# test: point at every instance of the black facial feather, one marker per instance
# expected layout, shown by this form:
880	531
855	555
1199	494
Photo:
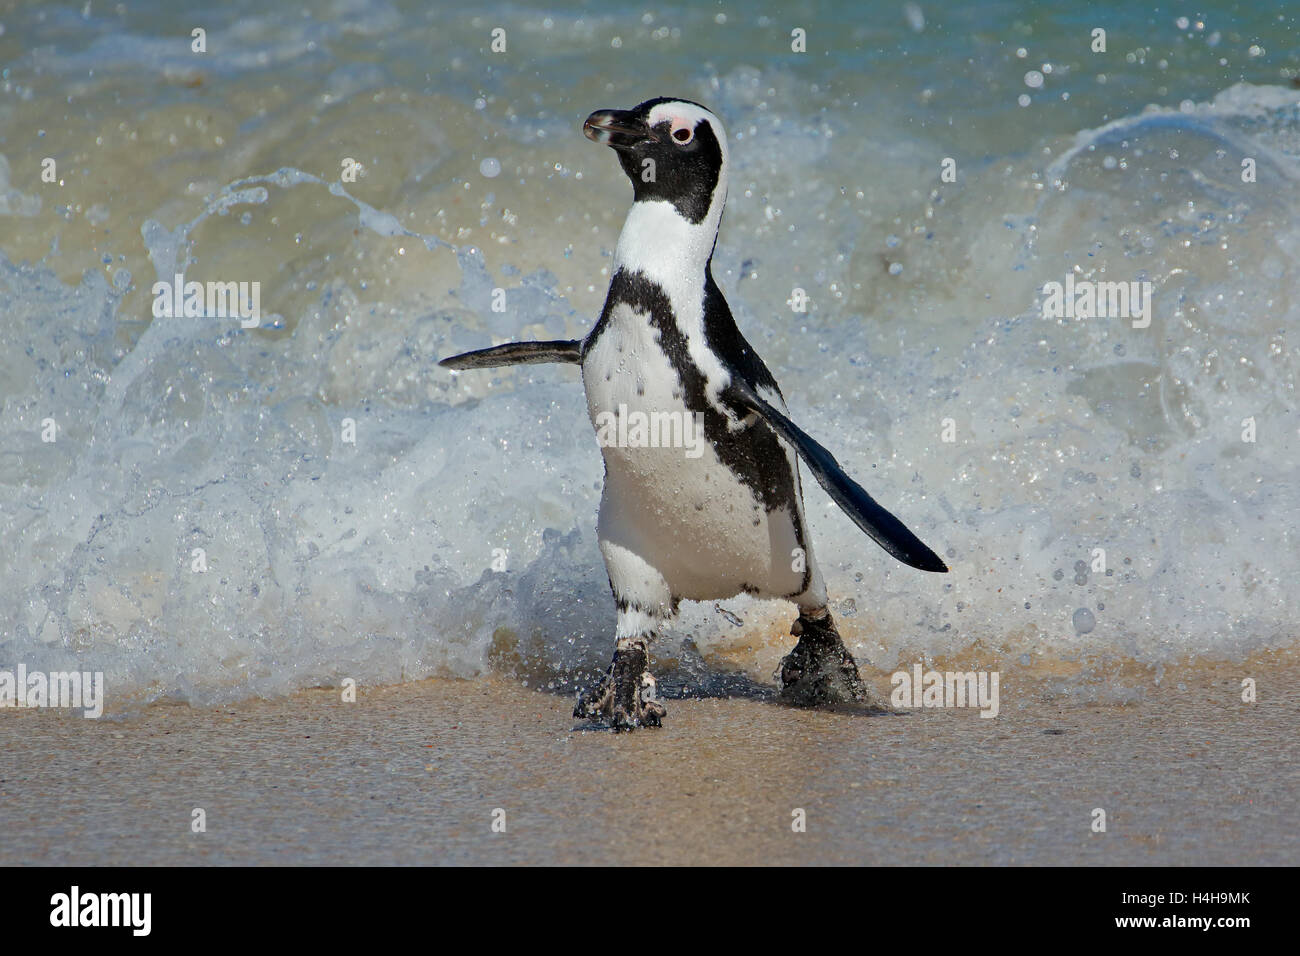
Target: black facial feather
685	176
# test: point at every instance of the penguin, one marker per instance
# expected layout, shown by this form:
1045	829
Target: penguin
724	516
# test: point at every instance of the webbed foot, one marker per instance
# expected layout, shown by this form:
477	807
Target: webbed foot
820	670
625	697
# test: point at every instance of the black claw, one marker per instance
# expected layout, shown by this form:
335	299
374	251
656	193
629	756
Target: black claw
624	699
820	670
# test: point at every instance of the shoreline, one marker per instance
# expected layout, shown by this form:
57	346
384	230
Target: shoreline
411	774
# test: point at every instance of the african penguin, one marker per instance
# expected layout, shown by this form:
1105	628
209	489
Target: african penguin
724	516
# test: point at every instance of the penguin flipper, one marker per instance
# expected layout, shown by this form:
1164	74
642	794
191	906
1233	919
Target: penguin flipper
886	530
517	353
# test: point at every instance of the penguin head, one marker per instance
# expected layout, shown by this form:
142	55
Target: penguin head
672	150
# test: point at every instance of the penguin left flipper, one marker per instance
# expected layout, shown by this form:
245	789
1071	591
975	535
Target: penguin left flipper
517	353
886	530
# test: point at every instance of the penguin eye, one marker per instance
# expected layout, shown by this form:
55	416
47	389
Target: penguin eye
682	134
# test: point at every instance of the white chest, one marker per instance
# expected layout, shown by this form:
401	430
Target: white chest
668	497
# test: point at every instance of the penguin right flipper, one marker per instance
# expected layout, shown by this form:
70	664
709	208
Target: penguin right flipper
886	530
517	353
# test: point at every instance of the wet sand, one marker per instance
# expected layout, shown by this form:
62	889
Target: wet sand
412	774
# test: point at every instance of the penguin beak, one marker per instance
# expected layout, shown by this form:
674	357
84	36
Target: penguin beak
618	129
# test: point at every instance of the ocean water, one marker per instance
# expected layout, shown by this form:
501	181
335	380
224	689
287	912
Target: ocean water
354	505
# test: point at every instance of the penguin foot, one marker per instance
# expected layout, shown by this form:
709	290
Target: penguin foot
625	698
820	670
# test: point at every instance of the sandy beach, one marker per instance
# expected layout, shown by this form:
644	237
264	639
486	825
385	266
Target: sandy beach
411	774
